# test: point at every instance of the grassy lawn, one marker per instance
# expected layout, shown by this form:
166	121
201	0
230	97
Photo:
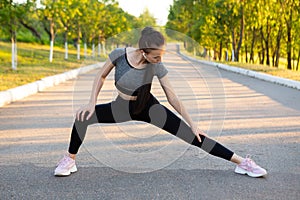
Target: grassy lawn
281	71
33	63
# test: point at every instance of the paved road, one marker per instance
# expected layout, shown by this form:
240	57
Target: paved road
137	161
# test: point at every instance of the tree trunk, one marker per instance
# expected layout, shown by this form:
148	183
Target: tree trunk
289	51
13	38
246	52
13	53
99	46
267	42
226	55
103	48
293	60
233	45
204	52
78	44
51	51
93	50
252	45
220	51
99	49
289	40
273	58
66	50
215	53
262	57
85	49
241	34
16	54
78	51
52	40
66	45
31	29
278	42
267	52
298	59
262	51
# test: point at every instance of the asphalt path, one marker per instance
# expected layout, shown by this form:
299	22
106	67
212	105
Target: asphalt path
137	161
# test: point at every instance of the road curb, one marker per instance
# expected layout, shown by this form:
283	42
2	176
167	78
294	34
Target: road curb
23	91
258	75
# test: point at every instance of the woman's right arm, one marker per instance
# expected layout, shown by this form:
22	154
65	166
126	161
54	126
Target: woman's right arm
97	85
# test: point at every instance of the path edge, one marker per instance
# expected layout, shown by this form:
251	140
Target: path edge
250	73
20	92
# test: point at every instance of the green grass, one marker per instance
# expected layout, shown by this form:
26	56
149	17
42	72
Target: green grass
33	63
281	71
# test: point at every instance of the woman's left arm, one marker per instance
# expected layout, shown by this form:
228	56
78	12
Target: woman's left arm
178	105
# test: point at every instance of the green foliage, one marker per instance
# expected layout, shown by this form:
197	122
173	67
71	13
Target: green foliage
146	19
266	29
34	64
87	20
65	21
60	21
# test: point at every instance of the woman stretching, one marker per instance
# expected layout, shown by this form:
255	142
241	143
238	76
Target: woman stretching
134	71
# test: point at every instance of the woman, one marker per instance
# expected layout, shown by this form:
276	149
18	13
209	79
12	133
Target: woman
134	70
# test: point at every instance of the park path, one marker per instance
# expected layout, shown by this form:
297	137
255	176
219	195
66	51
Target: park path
247	115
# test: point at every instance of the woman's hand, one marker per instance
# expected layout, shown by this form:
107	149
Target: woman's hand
197	132
89	108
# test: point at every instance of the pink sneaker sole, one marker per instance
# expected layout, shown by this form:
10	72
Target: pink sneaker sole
239	170
67	173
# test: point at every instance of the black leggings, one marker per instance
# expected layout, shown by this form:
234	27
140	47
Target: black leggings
121	110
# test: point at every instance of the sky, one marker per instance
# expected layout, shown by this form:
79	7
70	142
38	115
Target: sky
158	8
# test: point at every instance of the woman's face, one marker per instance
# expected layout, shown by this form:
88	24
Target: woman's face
155	56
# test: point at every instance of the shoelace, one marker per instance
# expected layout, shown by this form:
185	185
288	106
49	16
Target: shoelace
62	161
249	163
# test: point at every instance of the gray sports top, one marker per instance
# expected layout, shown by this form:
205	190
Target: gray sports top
127	78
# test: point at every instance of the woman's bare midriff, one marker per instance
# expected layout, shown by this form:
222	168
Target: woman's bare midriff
126	96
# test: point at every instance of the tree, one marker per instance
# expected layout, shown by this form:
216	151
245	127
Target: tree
252	26
51	13
235	20
146	19
203	23
10	12
113	23
30	18
247	27
69	9
181	19
291	16
277	33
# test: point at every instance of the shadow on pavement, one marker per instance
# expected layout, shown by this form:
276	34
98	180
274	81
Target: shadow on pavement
27	181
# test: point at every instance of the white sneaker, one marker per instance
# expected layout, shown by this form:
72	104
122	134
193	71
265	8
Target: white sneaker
65	167
250	168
